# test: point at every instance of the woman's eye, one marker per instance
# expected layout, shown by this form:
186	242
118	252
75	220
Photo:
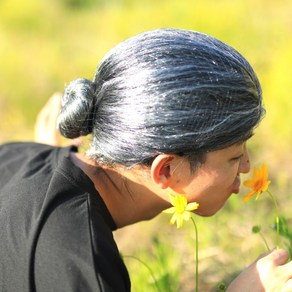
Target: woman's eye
237	157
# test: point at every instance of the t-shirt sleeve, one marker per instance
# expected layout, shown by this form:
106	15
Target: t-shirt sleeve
68	257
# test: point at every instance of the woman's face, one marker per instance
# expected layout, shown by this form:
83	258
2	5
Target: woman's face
215	180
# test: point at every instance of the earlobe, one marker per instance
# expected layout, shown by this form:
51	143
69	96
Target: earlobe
161	170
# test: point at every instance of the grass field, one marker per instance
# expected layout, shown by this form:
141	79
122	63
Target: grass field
46	44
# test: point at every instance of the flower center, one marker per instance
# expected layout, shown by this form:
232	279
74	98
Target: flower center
259	185
180	208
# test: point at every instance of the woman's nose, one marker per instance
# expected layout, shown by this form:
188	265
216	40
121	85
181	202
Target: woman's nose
244	164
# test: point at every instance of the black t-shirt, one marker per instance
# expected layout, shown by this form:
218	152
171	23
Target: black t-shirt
55	230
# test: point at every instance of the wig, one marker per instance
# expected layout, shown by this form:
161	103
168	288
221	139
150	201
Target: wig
164	91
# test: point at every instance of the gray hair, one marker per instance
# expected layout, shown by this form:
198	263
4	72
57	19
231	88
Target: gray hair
164	91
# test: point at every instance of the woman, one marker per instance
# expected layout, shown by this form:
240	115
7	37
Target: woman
169	111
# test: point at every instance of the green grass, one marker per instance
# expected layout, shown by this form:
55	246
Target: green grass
226	246
46	44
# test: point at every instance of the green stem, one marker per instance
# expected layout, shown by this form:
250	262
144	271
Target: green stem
277	218
197	253
263	238
145	265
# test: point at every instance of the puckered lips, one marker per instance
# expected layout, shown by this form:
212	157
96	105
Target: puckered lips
236	185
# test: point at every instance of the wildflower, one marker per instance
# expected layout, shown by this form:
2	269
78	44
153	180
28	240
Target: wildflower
259	183
181	210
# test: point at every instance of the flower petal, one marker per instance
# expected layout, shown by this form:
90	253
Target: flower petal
249	196
186	216
257	174
265	172
192	206
249	183
179	222
172	199
266	185
169	210
173	218
257	195
259	182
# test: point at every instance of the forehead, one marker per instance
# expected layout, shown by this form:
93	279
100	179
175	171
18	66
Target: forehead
235	149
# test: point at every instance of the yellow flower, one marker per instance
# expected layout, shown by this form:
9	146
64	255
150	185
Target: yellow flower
259	183
180	210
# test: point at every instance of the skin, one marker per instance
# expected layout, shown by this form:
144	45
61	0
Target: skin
141	193
214	181
270	272
44	130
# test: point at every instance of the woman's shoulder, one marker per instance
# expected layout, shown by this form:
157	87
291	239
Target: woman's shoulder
22	149
75	242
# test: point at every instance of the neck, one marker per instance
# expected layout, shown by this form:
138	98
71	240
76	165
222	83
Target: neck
126	193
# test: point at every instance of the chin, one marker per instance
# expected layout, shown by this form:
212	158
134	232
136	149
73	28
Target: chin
208	212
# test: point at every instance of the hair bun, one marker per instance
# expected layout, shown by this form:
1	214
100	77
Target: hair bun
75	118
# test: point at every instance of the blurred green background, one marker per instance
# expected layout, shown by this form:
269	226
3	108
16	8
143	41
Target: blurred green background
45	44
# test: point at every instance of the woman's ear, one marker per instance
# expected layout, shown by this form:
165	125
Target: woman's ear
161	170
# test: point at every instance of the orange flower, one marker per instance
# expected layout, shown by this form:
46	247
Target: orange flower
259	183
